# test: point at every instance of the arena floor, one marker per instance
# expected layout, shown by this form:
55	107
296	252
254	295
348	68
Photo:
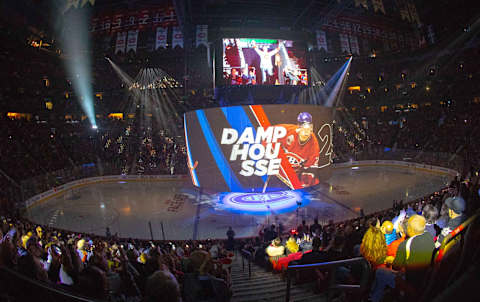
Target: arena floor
128	207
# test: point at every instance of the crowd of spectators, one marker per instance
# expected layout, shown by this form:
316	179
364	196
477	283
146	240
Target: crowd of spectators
438	126
399	243
117	269
448	134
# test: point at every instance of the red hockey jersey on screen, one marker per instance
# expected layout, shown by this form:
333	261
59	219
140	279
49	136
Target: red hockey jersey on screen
299	155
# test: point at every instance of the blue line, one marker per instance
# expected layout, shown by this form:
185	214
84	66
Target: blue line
239	120
222	164
197	183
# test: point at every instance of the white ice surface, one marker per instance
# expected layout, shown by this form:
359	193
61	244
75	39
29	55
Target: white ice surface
128	207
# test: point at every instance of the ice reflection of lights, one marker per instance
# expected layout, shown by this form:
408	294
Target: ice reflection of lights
262	203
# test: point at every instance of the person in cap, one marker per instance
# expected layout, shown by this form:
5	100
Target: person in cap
456	208
388	230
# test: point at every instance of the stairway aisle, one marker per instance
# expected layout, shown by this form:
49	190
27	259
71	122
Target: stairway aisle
265	286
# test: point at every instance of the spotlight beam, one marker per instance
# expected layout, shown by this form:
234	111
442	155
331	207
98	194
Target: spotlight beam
75	41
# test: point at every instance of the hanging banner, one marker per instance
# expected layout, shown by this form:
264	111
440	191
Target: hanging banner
170	19
120	44
378	6
344	44
132	40
321	40
157	17
202	35
354	45
107	24
177	37
143	19
161	38
117	22
131	21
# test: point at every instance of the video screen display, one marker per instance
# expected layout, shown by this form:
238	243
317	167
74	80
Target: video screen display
263	62
259	148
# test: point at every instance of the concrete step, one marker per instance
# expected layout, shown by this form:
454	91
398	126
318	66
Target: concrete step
266	286
264	280
245	276
269	293
256	286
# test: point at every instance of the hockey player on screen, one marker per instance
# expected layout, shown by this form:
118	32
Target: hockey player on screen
302	149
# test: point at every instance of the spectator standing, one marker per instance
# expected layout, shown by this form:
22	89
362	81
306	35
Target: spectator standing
230	239
315	228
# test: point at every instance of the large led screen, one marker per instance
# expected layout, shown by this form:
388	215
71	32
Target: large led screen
263	62
259	148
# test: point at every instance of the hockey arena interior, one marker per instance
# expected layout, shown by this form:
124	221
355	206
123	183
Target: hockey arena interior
226	150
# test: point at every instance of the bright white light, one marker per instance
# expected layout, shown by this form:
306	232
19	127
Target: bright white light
94	127
102	205
355	168
262	203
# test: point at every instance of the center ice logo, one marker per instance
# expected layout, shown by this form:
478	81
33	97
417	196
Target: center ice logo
258	152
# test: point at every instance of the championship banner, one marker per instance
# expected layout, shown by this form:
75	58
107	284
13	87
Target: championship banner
177	37
117	22
107	24
354	45
259	148
147	17
344	44
157	17
321	40
161	38
131	21
132	40
170	18
202	35
143	19
121	41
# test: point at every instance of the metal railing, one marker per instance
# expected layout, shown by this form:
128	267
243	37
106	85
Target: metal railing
331	267
448	241
247	255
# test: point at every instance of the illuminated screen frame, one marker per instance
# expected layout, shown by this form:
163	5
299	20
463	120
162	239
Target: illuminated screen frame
263	61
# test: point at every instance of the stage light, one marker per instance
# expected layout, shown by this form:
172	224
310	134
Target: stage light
94	127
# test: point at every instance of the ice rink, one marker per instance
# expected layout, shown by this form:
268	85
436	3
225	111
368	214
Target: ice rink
128	207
